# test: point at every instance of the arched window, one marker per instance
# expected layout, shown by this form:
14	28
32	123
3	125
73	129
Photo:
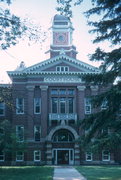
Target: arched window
63	136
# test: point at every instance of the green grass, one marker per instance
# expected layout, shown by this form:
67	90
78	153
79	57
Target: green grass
26	173
100	172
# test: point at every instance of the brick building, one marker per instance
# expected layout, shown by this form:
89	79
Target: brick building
50	99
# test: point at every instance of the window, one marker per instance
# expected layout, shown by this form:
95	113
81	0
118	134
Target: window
87	106
63	136
37	156
62	105
19	156
37	105
62	92
105	155
88	156
62	68
70	91
70	105
54	92
20	106
2	156
20	133
54	105
104	104
37	133
2	108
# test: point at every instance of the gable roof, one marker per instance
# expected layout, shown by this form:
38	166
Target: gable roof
83	68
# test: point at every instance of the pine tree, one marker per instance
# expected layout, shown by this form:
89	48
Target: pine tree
104	127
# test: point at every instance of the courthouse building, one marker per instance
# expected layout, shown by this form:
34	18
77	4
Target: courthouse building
51	99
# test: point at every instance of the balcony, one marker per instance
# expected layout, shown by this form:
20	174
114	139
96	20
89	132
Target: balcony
62	118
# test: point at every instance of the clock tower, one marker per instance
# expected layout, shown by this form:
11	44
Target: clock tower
62	31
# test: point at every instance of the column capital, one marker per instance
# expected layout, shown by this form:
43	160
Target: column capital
44	88
81	88
94	88
30	88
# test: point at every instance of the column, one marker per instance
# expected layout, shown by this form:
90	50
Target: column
44	110
77	153
30	110
80	104
49	153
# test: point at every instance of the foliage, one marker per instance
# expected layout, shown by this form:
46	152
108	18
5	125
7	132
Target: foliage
12	28
8	140
107	27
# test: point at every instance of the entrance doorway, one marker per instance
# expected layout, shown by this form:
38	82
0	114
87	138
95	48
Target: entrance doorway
63	156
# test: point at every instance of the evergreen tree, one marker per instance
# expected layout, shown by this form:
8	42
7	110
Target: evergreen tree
104	126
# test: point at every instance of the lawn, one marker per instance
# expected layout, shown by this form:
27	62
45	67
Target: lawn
100	172
26	173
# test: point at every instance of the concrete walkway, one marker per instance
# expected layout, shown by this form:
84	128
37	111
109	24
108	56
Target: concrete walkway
67	173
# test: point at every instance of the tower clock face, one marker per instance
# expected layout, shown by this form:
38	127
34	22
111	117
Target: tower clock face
60	38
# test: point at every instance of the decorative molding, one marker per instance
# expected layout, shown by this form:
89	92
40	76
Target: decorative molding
44	88
81	88
62	79
94	88
30	88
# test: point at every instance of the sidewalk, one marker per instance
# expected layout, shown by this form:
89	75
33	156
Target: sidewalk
67	173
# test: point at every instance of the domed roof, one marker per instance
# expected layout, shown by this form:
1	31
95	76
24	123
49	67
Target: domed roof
59	17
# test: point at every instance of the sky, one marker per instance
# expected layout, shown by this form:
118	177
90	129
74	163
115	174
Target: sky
41	12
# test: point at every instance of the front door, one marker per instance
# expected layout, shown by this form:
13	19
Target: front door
63	157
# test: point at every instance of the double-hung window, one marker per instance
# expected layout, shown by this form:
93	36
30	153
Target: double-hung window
105	155
70	105
87	106
20	133
88	156
19	156
2	108
2	156
37	105
20	106
37	133
54	105
62	105
37	155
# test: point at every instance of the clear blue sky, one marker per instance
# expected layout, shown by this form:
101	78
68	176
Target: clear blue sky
42	12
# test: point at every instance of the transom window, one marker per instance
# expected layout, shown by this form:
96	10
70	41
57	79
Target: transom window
62	68
63	136
65	91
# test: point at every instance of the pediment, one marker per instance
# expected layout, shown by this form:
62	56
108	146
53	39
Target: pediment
50	66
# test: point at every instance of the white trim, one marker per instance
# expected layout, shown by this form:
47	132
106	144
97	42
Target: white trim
17	132
87	155
87	104
17	106
108	155
20	156
35	160
2	108
37	106
71	162
35	132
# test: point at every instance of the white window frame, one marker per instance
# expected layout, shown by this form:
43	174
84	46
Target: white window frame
37	160
2	107
87	103
17	106
17	132
103	159
87	155
35	132
38	106
18	155
3	156
64	68
104	104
